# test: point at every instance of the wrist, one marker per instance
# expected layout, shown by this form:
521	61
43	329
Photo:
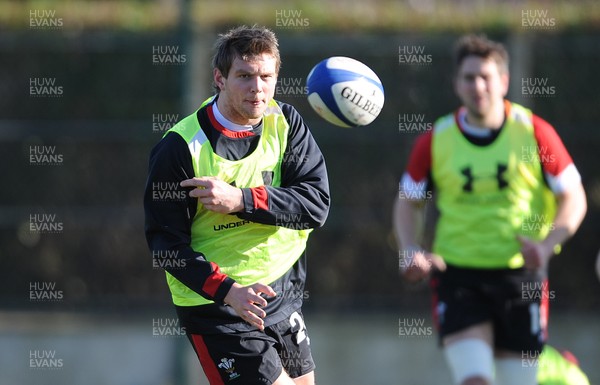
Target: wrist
225	290
550	247
411	248
407	256
240	206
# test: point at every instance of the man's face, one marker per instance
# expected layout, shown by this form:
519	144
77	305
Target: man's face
248	89
481	86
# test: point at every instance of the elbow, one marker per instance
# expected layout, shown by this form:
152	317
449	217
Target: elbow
319	217
573	203
320	220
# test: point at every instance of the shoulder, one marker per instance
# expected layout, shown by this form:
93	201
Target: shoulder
172	145
423	141
291	114
298	129
445	122
542	127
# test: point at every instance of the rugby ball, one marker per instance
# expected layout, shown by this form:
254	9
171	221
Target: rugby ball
345	92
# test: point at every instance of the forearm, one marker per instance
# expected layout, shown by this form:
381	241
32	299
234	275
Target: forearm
302	200
168	219
303	206
570	212
408	223
172	253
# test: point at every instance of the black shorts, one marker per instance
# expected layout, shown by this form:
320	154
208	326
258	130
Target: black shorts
514	300
256	357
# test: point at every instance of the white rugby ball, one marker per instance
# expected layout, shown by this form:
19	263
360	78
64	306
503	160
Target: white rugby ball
345	92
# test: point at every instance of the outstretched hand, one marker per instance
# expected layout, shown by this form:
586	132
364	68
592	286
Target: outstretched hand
248	304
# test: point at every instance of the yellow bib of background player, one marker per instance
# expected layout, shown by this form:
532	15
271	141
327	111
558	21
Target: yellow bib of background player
487	195
246	251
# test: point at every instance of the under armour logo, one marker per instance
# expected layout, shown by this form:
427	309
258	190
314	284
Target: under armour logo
499	176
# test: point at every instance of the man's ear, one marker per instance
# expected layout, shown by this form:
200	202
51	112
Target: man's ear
218	79
505	79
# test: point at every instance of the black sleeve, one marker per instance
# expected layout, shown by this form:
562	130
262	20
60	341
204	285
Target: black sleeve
303	200
169	211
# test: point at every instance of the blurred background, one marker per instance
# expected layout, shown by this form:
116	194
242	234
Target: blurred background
88	87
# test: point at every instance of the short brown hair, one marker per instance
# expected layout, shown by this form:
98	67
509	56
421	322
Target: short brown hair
245	43
480	45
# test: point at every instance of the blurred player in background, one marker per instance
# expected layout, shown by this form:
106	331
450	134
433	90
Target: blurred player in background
508	195
257	186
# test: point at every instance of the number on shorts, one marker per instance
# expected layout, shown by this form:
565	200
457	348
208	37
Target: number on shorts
296	320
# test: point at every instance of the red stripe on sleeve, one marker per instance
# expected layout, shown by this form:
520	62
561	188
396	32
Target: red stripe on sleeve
260	197
208	365
552	152
419	162
212	283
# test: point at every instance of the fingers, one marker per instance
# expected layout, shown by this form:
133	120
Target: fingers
256	300
420	266
415	275
532	254
265	289
253	313
437	262
204	181
253	319
248	302
203	186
